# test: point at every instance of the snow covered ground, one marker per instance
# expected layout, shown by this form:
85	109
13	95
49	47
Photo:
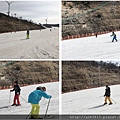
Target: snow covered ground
89	101
25	108
42	44
92	47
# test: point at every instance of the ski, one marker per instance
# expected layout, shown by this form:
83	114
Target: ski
47	117
7	106
42	117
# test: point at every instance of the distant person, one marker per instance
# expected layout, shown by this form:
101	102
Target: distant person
17	94
34	98
96	35
107	95
114	37
27	34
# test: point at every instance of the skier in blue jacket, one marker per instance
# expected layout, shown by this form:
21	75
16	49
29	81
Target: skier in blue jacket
114	37
34	98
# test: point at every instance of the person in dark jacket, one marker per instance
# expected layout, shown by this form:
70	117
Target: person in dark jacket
34	98
27	34
96	35
107	95
17	93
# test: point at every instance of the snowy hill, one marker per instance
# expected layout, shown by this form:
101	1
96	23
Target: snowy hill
42	44
25	108
89	101
91	47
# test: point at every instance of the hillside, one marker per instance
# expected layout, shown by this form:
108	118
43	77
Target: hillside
83	17
28	72
90	102
50	25
12	24
78	75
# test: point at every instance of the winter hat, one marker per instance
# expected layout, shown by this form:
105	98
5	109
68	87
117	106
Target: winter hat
16	82
41	88
106	85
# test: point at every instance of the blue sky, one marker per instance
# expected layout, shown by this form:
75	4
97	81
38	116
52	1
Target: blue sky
37	11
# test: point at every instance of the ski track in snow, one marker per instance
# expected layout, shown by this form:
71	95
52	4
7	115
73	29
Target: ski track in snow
25	108
92	47
89	101
42	44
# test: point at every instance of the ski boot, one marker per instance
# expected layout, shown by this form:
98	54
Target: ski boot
13	104
104	103
18	105
110	103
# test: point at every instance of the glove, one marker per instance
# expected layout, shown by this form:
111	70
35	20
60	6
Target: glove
50	96
10	90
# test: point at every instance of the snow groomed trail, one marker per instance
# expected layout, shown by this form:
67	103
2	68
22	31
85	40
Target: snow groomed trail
42	44
92	47
90	101
25	108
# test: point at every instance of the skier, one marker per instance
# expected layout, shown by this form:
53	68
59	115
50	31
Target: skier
27	34
107	95
96	35
114	37
34	98
17	94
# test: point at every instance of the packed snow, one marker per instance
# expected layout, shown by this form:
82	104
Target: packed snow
25	108
42	44
92	47
89	101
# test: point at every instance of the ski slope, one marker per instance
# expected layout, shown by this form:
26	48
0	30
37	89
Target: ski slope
92	47
88	101
42	44
25	108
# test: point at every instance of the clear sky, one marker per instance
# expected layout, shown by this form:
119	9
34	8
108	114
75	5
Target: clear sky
37	11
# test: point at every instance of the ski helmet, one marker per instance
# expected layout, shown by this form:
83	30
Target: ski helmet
16	82
41	88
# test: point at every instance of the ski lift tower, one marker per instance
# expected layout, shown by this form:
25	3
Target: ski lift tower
9	3
46	20
99	75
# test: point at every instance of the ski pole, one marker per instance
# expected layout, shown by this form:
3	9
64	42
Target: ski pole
9	97
28	115
23	99
47	108
113	100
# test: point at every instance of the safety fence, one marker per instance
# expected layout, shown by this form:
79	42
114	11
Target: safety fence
22	85
87	35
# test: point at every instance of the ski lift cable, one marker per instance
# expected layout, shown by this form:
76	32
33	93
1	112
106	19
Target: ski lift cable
108	17
99	7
